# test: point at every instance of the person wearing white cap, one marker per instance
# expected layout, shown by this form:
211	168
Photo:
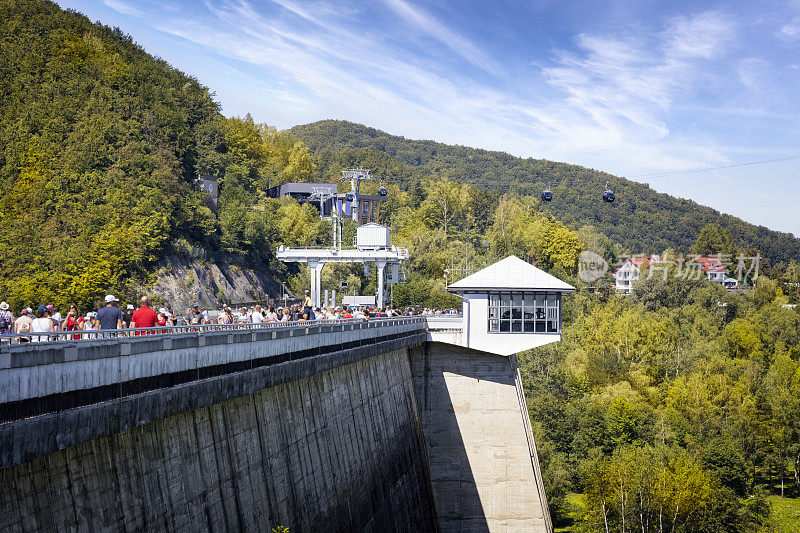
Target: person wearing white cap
110	317
127	315
87	323
6	320
163	318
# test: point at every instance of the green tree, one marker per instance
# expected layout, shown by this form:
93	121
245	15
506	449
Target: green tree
714	239
742	338
646	489
443	202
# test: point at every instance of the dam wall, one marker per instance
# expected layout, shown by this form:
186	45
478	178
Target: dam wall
338	450
58	394
481	454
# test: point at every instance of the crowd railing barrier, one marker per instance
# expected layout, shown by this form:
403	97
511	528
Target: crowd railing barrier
107	334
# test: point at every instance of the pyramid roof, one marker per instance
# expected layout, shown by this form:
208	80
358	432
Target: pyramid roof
511	273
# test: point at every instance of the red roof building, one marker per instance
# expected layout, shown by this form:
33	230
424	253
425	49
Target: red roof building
689	267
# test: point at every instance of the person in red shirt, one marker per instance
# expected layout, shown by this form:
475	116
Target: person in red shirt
72	323
144	317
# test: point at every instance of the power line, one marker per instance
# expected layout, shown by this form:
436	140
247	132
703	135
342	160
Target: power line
704	169
507	185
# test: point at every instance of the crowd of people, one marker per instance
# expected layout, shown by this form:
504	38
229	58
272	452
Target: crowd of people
39	325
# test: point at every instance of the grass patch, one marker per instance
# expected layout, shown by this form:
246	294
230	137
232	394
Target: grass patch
786	514
575	502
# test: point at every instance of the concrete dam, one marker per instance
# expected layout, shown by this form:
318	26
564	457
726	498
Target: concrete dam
385	425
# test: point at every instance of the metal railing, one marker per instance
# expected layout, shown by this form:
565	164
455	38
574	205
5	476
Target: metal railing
534	453
107	334
443	321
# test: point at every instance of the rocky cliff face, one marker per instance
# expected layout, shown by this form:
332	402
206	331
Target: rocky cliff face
209	282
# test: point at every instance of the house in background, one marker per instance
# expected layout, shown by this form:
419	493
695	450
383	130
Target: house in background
712	267
627	273
731	284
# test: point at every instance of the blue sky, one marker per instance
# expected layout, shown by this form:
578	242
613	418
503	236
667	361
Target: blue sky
634	88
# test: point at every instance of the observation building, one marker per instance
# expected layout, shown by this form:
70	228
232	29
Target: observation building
508	307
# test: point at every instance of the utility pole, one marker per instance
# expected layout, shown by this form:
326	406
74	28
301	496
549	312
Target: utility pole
466	263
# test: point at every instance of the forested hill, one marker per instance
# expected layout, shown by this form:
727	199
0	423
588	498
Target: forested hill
100	145
642	220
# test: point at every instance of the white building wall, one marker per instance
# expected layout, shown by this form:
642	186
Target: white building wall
625	276
477	336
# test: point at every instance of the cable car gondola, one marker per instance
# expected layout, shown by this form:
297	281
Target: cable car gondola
608	196
547	195
349	197
382	191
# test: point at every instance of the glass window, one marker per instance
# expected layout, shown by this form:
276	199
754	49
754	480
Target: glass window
529	311
516	308
517	312
552	319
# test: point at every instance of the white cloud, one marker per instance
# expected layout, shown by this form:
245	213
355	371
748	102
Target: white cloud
753	72
658	94
790	32
606	104
620	91
701	36
438	31
123	7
